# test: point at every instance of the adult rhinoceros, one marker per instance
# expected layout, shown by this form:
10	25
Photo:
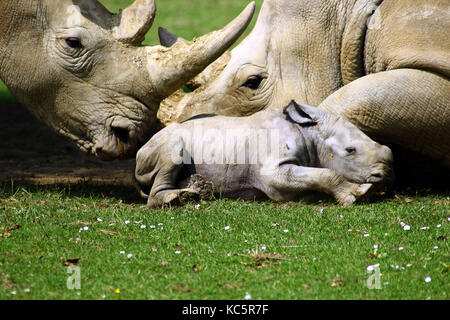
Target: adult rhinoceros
84	72
384	65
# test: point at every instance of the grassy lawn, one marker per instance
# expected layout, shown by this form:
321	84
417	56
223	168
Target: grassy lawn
221	249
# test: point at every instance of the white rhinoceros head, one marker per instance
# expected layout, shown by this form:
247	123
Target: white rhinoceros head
83	71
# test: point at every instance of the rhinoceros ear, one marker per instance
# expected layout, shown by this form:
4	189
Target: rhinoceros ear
301	114
166	38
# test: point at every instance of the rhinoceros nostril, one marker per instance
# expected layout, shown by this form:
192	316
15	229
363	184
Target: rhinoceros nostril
121	134
375	177
100	152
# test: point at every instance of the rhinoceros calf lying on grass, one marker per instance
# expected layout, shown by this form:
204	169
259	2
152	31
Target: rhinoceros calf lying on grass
277	154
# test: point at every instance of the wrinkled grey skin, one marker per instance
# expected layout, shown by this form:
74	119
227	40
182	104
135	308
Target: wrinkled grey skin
318	152
383	65
83	71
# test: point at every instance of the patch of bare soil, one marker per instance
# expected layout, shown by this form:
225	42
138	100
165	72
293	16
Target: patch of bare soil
31	152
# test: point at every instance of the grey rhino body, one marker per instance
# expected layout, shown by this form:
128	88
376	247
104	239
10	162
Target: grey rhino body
83	71
298	150
383	65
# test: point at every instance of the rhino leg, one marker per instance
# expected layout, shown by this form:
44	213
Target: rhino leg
173	197
166	192
193	188
289	182
197	182
404	107
158	165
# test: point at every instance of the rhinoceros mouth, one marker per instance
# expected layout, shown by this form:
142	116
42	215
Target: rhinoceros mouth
120	139
118	136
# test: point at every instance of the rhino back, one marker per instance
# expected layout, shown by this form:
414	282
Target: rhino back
228	150
409	34
236	140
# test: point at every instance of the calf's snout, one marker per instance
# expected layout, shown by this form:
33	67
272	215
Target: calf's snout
382	171
381	176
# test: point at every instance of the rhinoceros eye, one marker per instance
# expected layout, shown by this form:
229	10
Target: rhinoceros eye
74	43
253	82
350	150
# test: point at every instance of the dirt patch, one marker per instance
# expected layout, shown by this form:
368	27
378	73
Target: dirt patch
31	152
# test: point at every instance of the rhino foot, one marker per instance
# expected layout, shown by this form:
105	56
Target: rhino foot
173	198
352	193
186	195
204	188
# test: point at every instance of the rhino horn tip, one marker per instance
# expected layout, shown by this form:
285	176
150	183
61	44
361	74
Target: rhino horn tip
166	38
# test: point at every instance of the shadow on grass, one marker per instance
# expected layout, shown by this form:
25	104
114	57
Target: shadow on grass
129	195
441	192
84	189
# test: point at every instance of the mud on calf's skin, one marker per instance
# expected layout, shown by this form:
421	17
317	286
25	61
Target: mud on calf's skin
281	155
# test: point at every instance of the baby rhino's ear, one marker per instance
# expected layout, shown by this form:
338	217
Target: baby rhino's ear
303	115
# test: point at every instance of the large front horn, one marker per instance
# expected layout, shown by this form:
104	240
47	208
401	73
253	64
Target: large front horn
170	68
135	21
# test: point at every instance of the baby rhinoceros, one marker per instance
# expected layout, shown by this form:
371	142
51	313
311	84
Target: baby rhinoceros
282	155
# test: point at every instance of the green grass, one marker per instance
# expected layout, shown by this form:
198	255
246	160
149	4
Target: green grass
5	95
189	19
324	254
